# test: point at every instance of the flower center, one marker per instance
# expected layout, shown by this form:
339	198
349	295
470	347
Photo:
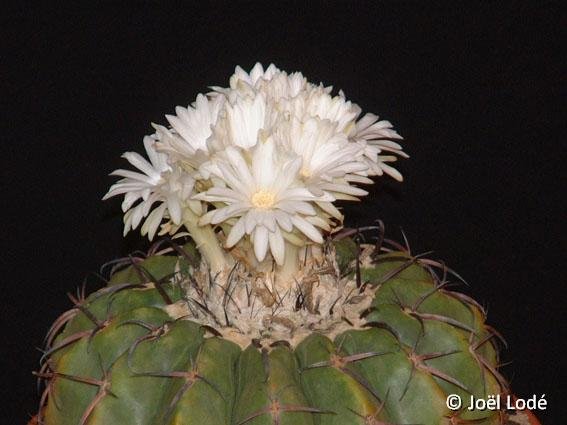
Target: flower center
263	199
305	172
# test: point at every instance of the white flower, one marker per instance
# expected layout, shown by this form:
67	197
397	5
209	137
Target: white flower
326	153
191	127
158	182
256	73
242	124
265	157
264	197
374	136
274	83
282	86
242	83
245	118
334	108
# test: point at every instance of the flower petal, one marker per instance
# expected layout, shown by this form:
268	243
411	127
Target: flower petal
260	241
307	229
277	246
235	234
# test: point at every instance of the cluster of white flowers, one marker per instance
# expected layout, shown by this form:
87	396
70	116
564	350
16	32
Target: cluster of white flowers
264	159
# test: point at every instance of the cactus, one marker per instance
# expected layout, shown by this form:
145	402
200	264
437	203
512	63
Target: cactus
128	354
269	312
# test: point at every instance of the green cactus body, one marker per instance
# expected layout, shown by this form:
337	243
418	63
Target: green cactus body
123	356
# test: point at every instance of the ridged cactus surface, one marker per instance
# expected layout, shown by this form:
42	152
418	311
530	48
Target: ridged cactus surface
123	356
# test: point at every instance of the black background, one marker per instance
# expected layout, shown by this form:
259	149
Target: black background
473	89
